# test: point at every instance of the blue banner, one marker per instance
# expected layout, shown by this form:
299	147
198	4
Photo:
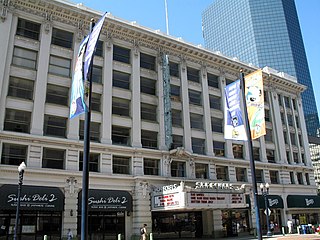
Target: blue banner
234	125
93	39
77	105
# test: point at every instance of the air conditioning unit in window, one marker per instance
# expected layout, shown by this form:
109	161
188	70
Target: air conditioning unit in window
175	98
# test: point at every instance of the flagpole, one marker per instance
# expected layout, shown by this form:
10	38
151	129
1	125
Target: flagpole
167	19
252	164
86	159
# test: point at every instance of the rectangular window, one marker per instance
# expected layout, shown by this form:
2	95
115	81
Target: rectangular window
287	102
290	120
256	153
24	58
178	169
177	141
120	106
307	178
94	131
99	49
222	173
121	54
267	115
96	102
148	86
62	38
213	80
196	121
121	80
53	158
28	29
60	66
17	121
121	135
195	97
201	170
54	126
274	177
174	69
176	118
13	154
292	181
294	103
297	122
237	151
21	88
268	137
229	81
93	162
218	149
216	124
57	95
193	75
259	176
270	156
148	112
175	92
97	74
147	61
293	138
241	174
295	157
265	96
299	178
151	166
149	139
214	102
198	145
121	165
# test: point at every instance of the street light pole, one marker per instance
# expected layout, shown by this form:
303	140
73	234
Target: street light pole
265	193
21	169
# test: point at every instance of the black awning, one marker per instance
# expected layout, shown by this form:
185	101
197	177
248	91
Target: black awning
107	200
303	201
34	198
274	201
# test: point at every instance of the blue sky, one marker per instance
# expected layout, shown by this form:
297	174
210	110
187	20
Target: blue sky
185	22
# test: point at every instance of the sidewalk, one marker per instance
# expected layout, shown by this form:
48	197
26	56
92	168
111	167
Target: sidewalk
278	237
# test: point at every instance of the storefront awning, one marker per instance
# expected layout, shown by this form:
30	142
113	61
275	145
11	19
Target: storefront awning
107	200
274	201
34	198
303	201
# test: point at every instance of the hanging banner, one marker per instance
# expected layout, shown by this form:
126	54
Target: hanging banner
255	104
234	126
88	59
77	105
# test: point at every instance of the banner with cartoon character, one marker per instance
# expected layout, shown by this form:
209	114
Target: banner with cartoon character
255	104
234	125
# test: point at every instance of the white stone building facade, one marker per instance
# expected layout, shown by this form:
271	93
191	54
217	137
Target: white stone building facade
129	159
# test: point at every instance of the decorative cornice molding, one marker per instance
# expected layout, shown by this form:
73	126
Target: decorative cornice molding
6	5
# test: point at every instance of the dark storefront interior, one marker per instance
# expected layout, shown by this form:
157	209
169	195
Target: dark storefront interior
166	225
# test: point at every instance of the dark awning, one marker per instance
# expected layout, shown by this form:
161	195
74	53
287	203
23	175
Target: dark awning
107	200
32	198
274	201
303	201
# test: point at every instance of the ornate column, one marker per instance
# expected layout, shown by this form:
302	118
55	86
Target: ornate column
206	110
71	205
135	99
107	92
40	87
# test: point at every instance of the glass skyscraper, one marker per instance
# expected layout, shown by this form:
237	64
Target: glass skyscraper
264	33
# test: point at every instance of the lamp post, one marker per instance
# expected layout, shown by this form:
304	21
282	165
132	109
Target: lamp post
265	193
21	169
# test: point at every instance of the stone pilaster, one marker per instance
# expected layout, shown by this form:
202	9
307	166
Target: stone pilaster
70	206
